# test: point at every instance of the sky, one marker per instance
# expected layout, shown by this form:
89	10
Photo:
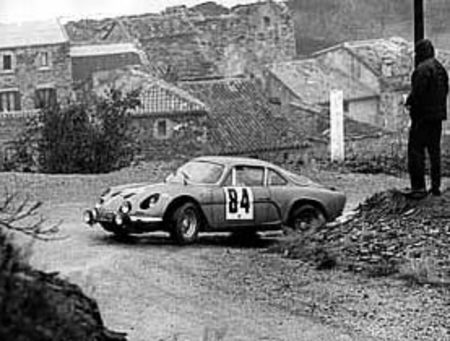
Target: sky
32	10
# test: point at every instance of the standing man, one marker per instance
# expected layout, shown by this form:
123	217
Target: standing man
427	104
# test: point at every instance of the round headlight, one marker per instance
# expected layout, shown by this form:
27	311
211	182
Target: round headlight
125	208
88	217
119	219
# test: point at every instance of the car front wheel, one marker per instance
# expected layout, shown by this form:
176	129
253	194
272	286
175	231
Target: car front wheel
186	221
307	218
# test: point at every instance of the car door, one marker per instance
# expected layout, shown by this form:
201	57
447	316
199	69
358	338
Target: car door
242	200
280	192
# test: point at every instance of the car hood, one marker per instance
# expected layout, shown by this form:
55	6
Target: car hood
145	187
136	193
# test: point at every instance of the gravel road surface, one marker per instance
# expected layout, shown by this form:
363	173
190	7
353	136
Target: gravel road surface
154	290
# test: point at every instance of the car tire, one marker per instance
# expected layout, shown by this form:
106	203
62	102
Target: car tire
185	224
307	218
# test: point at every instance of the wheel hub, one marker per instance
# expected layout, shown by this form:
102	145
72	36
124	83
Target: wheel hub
189	224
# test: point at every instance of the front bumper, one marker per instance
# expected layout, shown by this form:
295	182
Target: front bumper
94	216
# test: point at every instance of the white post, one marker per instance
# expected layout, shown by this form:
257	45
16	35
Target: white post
337	146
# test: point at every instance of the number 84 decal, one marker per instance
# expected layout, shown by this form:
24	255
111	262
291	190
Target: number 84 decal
238	203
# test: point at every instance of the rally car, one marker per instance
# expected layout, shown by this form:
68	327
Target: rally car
217	193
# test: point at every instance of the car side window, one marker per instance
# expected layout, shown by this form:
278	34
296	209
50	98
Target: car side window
249	176
275	179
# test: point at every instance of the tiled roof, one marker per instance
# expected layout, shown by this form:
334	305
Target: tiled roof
102	49
157	96
242	118
312	82
31	33
91	31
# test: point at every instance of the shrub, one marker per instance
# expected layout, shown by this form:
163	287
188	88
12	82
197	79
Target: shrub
93	136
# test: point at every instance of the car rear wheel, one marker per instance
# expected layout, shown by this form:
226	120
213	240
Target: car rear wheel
307	218
186	222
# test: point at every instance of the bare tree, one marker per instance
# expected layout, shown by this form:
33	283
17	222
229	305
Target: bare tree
22	215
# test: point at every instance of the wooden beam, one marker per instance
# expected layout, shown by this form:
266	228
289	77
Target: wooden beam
419	27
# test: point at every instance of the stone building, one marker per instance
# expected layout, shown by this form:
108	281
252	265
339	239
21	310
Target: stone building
91	58
214	116
34	65
243	122
169	123
373	74
35	70
201	41
308	81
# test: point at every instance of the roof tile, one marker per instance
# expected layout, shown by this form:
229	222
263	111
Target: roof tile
242	117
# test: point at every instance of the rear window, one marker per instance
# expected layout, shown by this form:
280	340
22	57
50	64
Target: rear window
275	179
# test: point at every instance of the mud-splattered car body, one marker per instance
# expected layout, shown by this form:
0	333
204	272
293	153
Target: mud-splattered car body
217	194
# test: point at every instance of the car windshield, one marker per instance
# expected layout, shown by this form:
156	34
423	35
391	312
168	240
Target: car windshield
201	172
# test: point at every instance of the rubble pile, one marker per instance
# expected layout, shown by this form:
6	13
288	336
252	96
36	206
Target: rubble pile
388	230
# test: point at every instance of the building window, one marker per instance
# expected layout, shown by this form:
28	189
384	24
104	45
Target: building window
44	59
7	62
162	129
9	101
346	107
266	22
45	97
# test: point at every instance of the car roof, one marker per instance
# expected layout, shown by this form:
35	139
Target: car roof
231	161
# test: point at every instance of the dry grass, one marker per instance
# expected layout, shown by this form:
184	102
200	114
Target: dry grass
423	271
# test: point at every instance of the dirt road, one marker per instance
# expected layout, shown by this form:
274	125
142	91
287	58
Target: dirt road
154	290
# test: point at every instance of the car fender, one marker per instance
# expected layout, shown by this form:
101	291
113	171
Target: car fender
178	200
303	200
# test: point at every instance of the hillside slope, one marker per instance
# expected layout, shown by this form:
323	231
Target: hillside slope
323	23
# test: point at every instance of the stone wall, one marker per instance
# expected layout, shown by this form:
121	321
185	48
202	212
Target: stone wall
188	136
28	76
340	58
200	43
253	36
367	110
84	67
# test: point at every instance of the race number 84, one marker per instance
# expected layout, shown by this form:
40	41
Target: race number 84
238	203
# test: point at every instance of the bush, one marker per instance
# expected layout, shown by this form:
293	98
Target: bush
93	136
